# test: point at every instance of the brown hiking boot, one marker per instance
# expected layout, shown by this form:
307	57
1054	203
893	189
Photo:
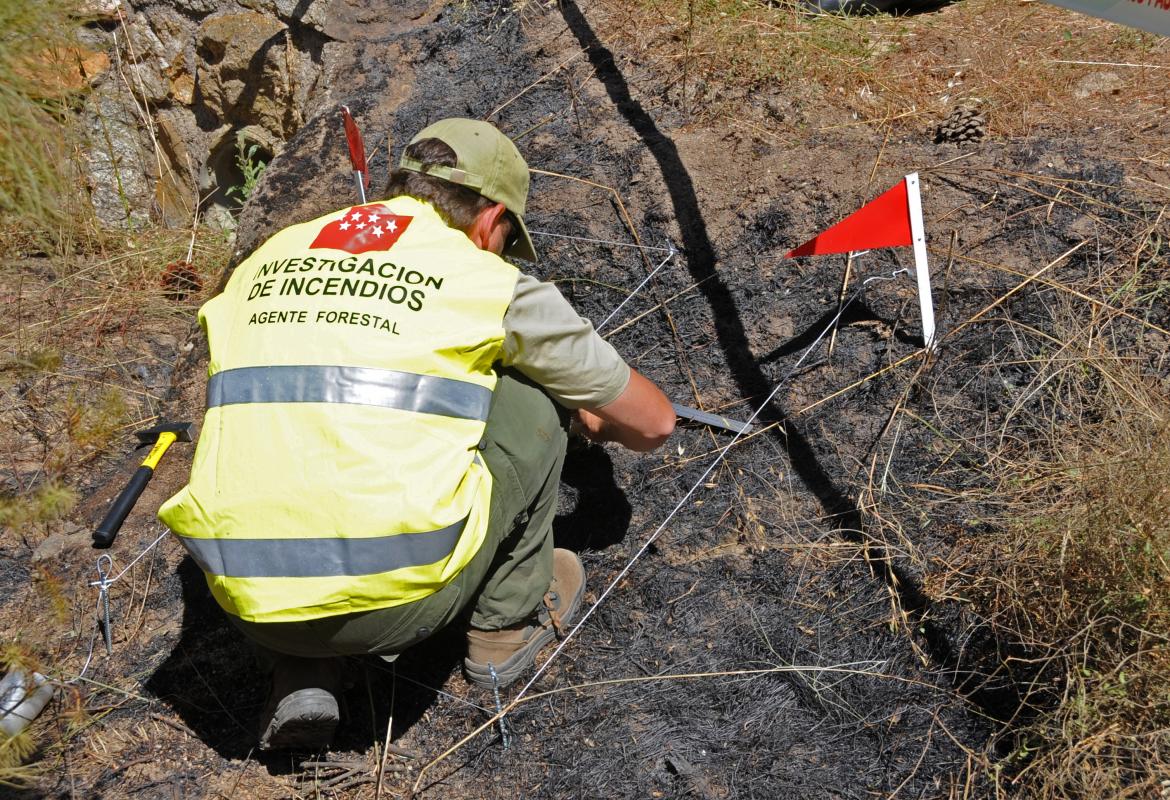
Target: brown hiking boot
510	651
301	713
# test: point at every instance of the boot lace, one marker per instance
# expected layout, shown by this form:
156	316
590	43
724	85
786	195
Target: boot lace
551	603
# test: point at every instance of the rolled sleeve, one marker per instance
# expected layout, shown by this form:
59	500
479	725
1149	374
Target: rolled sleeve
549	342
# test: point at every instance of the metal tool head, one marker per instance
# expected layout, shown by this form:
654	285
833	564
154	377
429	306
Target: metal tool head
714	420
181	429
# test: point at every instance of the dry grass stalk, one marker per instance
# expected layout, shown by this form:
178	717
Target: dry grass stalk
1070	499
38	77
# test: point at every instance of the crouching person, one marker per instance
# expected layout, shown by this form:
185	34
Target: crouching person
386	423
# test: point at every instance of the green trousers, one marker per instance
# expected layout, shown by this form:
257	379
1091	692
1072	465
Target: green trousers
524	447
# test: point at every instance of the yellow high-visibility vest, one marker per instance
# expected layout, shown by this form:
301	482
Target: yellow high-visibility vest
337	469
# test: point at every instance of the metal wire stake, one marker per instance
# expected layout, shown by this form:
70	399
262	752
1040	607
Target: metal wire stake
103	583
505	737
105	565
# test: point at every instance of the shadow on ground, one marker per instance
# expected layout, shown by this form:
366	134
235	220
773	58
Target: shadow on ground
600	515
214	683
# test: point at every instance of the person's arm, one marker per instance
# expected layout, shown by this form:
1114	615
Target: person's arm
547	340
641	418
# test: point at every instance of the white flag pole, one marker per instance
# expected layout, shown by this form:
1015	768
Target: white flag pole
921	268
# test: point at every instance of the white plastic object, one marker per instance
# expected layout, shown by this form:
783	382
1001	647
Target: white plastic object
18	705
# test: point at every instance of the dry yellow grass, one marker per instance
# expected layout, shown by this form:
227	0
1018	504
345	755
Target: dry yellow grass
86	354
1016	61
39	78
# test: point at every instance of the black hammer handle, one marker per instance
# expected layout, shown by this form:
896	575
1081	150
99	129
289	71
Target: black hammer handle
103	537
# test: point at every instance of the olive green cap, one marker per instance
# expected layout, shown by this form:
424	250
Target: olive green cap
486	162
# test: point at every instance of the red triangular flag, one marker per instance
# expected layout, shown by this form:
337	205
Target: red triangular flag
357	150
883	222
362	229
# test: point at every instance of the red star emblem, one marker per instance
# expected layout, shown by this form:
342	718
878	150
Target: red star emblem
343	234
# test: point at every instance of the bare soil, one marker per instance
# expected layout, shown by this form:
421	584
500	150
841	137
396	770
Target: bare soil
791	633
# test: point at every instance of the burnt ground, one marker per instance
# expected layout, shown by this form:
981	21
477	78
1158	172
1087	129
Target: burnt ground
797	590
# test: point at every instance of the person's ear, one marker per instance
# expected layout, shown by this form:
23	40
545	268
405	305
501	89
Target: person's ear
487	231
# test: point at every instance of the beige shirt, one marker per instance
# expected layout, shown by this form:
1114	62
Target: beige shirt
546	340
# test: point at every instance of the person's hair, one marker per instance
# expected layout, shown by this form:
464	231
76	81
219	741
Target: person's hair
457	205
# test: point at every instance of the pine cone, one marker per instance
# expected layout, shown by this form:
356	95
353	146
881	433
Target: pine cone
962	125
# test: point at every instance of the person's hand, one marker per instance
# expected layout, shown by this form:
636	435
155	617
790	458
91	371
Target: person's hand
586	423
641	418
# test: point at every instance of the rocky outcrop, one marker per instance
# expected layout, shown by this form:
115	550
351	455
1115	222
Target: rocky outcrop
250	73
176	84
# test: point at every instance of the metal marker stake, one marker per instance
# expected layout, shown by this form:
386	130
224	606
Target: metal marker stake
505	737
921	264
103	583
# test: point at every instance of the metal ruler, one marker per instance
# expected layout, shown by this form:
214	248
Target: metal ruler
714	420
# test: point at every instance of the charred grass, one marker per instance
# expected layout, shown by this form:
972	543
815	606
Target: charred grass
1070	560
1050	482
1010	512
1051	488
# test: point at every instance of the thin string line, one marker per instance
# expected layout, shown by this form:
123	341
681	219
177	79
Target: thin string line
88	658
149	547
422	685
637	289
603	241
103	586
702	478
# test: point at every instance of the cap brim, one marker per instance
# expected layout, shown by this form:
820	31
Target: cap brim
523	247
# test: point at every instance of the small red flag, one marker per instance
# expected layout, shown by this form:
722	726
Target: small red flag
362	229
883	222
357	149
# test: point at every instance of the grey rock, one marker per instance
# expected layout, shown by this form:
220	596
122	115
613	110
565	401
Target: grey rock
313	13
70	537
199	7
250	72
1098	83
172	32
117	159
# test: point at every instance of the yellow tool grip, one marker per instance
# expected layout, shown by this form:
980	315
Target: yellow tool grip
165	440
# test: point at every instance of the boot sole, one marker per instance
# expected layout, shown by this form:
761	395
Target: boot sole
511	669
305	720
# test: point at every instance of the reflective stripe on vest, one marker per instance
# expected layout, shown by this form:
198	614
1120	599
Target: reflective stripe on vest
425	394
321	558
